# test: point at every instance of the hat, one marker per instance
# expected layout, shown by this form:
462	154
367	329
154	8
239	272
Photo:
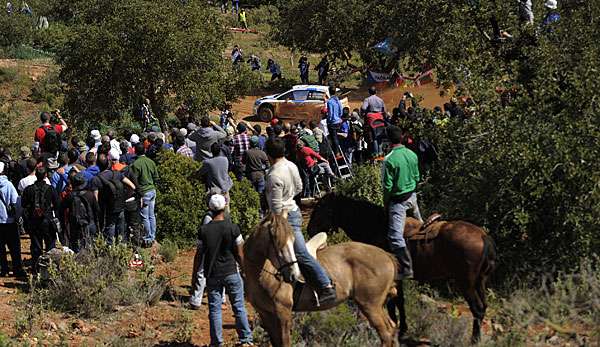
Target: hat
183	131
551	4
217	203
241	128
113	154
81	146
25	151
254	141
354	115
78	180
161	136
1	167
52	163
134	139
155	129
96	135
192	126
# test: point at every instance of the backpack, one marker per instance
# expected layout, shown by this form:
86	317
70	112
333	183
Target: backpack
112	193
81	214
41	205
52	140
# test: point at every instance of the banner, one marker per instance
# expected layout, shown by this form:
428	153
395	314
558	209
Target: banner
377	77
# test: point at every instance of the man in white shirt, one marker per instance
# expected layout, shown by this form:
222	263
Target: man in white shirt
283	184
29	179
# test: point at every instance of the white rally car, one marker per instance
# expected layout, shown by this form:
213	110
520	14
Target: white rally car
302	102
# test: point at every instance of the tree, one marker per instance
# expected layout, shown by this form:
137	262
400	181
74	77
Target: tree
168	52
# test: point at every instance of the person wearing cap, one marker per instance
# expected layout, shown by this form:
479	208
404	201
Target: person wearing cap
241	143
40	133
283	184
373	103
256	163
82	226
145	173
552	15
97	138
115	160
9	232
205	136
221	247
189	143
82	149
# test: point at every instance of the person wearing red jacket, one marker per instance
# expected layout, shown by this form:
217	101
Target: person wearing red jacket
313	161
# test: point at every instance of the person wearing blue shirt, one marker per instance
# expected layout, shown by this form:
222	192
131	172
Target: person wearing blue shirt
334	118
303	66
9	233
551	17
275	70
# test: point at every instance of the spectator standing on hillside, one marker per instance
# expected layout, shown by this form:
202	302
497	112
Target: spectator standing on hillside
224	6
48	135
304	68
145	173
256	162
241	143
283	183
25	9
254	62
92	169
182	148
81	214
274	69
400	176
208	134
552	15
235	7
222	246
109	190
215	172
9	232
31	178
236	55
40	206
9	8
373	103
526	11
242	19
322	70
334	118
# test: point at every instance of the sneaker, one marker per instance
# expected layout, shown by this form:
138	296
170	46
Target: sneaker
193	307
327	295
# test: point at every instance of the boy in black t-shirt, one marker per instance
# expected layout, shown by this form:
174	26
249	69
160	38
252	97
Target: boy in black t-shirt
222	246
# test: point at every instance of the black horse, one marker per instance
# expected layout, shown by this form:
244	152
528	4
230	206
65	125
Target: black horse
461	250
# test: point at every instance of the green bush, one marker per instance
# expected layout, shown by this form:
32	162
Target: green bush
181	198
168	250
364	185
245	206
52	39
8	74
48	89
16	30
96	280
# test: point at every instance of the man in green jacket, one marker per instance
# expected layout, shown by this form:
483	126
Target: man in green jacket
400	176
145	173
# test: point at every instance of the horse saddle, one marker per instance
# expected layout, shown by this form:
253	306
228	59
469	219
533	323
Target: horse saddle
427	231
302	291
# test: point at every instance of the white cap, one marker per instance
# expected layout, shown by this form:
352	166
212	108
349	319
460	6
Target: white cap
183	131
113	154
1	167
551	4
217	203
134	139
96	135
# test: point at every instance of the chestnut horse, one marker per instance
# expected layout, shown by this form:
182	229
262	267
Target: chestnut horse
461	251
363	273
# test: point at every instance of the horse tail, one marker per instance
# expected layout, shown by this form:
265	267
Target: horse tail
488	256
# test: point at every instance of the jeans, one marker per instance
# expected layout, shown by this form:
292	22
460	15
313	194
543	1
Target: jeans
334	129
80	239
115	227
9	237
235	287
312	271
198	279
148	217
259	184
235	7
378	136
397	217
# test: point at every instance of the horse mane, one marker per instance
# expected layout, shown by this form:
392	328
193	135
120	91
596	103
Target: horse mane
278	227
359	216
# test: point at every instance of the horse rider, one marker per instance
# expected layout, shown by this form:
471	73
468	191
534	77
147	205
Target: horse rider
400	176
283	183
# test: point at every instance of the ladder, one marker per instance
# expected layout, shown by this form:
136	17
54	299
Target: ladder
341	164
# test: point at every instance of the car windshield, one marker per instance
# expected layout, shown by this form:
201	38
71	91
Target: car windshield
316	95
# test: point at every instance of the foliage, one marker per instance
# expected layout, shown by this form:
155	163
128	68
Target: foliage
245	206
181	199
168	52
10	131
365	184
52	39
16	29
168	250
96	280
47	89
7	74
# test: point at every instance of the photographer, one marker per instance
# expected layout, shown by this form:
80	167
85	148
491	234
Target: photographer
48	134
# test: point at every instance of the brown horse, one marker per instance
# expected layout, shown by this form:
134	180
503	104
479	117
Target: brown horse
360	272
461	250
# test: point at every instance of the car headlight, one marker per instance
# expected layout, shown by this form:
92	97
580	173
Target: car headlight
257	102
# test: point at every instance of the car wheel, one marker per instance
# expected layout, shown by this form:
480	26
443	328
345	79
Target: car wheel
265	113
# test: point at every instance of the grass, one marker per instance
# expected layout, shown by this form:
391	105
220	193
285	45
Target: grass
23	52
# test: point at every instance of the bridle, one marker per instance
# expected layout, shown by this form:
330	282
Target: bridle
278	274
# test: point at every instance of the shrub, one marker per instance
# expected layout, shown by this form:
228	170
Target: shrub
181	199
96	280
245	206
364	185
168	250
16	30
48	89
8	74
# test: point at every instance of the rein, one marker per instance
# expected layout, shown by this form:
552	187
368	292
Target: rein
277	274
